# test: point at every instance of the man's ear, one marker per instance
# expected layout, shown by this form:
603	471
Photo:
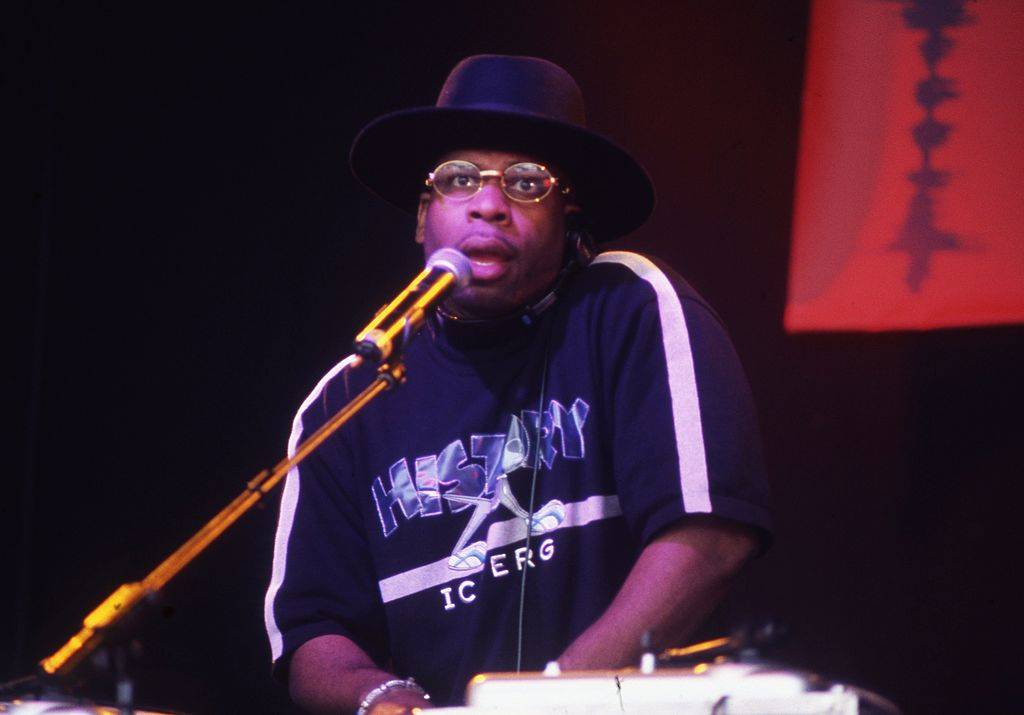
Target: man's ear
421	216
571	216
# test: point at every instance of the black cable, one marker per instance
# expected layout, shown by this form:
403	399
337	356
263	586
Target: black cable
533	492
580	252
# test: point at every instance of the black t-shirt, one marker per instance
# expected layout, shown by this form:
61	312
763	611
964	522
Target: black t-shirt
623	406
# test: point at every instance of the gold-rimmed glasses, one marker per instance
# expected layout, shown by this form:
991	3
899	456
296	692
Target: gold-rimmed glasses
525	181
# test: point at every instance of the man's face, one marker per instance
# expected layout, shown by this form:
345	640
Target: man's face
515	248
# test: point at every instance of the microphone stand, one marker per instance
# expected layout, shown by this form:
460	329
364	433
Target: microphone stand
116	608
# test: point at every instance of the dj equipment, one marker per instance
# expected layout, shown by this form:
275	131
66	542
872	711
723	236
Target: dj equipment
717	689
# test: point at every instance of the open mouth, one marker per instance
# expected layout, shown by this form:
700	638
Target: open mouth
490	257
488	268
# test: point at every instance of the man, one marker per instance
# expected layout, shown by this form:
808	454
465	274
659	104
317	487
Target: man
574	460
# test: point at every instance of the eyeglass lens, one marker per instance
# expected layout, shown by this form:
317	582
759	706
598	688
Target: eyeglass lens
525	181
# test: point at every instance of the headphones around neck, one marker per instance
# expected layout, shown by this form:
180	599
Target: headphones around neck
579	252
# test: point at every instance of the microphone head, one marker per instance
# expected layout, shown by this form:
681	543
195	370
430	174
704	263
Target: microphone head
453	261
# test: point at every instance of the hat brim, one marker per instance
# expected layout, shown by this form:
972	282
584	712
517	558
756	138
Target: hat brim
393	154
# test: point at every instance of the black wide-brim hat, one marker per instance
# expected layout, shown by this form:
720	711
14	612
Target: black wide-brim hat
517	104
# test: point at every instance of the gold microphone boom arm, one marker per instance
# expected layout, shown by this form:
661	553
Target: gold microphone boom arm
118	604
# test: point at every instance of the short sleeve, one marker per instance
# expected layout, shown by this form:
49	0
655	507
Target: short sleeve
324	582
686	439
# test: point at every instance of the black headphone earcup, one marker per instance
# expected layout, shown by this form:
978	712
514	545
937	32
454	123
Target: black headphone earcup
580	241
580	246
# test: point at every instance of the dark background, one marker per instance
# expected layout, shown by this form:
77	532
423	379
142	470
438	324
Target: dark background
190	254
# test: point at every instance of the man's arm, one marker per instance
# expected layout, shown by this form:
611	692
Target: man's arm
677	581
331	674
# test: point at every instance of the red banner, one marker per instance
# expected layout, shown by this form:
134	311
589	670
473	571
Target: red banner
909	212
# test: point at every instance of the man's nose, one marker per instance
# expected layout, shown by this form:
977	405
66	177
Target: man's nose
490	204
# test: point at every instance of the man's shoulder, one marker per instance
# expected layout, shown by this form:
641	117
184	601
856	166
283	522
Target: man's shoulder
626	280
335	388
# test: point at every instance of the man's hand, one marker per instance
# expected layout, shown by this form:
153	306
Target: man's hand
331	674
677	581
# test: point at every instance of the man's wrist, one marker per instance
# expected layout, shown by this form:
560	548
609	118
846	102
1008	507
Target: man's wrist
406	691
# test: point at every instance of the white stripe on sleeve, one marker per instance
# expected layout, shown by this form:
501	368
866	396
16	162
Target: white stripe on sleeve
682	380
289	499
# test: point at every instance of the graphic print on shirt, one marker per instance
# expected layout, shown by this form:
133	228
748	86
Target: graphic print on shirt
451	477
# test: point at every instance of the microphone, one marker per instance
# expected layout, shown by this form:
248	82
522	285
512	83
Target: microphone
395	324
